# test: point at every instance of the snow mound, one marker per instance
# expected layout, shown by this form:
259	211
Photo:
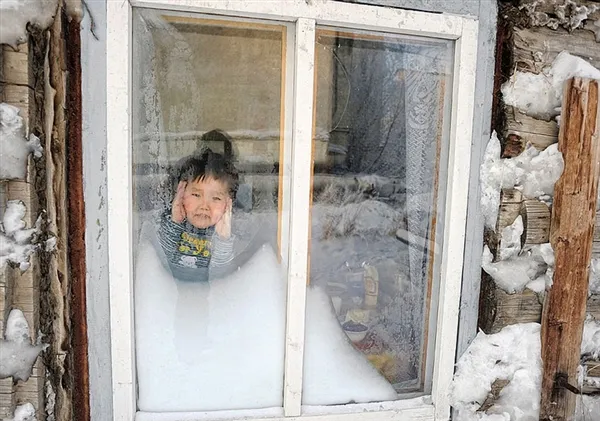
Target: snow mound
25	412
588	408
219	345
14	147
16	14
17	353
595	276
510	241
491	178
590	343
513	354
531	269
540	95
16	242
533	172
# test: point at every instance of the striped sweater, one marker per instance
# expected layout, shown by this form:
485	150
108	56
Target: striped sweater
193	254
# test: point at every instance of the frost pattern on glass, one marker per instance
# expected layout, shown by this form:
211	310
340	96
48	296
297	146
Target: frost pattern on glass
376	202
218	343
198	347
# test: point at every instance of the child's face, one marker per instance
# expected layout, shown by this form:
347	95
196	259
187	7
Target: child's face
205	202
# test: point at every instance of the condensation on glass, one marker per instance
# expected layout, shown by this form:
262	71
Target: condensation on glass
193	75
379	161
382	107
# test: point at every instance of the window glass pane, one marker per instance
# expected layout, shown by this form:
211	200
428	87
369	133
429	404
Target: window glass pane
208	101
382	106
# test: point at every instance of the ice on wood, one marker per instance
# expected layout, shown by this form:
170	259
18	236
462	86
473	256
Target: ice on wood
510	243
17	241
590	343
14	147
540	95
540	170
24	412
491	176
532	268
594	287
588	407
533	172
16	14
220	345
17	353
513	354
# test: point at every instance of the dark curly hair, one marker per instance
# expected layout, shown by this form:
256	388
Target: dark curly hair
206	163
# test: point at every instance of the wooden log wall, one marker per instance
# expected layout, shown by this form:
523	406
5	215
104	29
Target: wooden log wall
531	48
36	78
531	35
21	290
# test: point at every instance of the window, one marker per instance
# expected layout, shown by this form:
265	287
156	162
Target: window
349	127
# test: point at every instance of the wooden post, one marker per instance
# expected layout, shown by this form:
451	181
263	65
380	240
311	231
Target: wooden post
573	218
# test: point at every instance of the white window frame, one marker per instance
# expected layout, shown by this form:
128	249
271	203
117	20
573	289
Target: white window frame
461	29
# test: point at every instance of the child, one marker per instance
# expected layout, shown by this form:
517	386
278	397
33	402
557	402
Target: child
196	231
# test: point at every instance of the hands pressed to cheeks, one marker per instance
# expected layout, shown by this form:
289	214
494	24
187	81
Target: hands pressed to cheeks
203	203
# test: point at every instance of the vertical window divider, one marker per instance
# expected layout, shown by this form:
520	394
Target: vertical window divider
119	208
297	273
459	158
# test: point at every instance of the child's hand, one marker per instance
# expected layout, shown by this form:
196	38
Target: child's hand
223	227
177	209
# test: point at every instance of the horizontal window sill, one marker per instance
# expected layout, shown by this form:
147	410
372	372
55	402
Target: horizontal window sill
419	408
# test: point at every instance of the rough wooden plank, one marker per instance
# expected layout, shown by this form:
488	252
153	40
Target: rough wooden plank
524	307
592	368
539	133
15	66
536	48
498	309
31	390
7	398
573	219
16	92
55	300
536	223
15	74
510	207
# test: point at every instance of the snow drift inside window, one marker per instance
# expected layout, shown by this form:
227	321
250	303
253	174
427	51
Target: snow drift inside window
212	133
